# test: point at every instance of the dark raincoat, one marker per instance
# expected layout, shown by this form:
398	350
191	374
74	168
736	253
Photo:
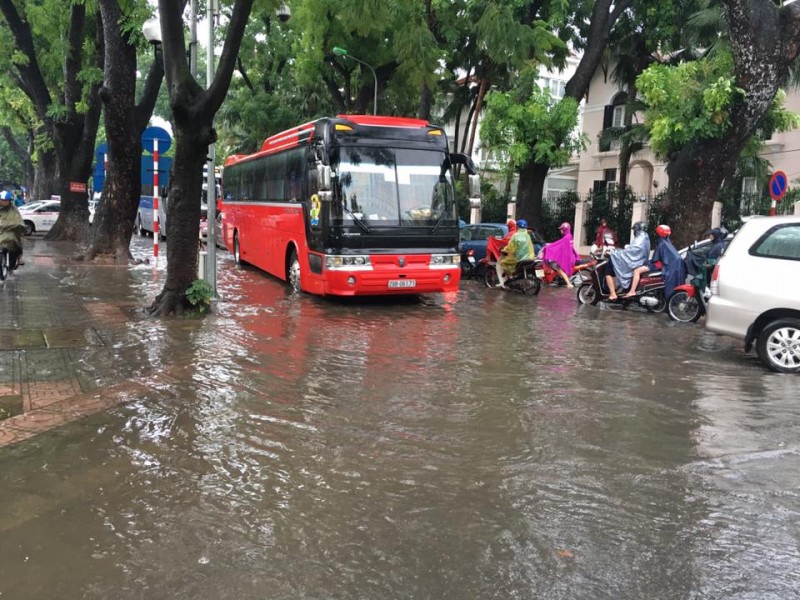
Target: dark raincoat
667	259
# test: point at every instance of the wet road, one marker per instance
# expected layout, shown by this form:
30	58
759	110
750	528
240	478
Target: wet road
479	445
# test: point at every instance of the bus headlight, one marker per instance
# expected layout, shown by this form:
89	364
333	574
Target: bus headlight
445	261
336	262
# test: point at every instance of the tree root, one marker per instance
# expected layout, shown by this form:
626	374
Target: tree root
167	303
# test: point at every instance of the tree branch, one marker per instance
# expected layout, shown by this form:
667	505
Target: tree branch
35	86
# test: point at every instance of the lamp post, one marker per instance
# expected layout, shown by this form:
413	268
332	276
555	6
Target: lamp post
342	52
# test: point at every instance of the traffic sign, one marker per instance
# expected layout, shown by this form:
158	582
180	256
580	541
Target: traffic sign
778	184
156	133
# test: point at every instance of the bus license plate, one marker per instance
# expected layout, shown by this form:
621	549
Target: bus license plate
402	283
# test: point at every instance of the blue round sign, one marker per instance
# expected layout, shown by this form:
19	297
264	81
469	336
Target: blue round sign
778	184
156	133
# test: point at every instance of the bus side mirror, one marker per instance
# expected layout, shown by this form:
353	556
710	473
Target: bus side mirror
324	177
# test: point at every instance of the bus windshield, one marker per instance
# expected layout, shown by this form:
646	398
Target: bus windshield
391	187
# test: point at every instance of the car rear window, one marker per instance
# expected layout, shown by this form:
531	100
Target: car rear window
779	242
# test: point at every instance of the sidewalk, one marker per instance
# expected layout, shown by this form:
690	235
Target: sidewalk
63	331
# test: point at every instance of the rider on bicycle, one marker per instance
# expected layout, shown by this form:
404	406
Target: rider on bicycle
519	248
11	227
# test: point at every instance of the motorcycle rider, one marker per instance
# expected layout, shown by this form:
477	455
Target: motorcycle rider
495	244
519	248
560	255
11	227
667	259
625	260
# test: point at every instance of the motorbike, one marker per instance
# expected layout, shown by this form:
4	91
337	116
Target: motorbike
468	264
688	303
649	292
526	277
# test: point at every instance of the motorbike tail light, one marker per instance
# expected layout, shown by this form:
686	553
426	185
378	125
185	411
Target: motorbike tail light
471	252
714	285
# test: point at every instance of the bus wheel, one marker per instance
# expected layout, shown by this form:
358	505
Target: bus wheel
293	276
237	253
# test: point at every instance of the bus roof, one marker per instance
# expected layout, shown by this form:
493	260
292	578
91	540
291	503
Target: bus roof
303	134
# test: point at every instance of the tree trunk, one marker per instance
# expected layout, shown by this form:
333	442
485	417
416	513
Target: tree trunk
425	102
192	138
45	180
193	113
116	214
695	177
529	194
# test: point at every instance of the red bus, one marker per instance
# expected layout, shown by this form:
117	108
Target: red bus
347	206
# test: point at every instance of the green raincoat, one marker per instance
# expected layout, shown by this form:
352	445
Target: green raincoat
11	228
519	248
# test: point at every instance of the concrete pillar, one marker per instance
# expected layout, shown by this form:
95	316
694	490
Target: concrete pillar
474	215
511	209
639	214
716	215
797	208
579	225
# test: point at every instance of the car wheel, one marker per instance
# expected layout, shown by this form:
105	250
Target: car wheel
237	251
778	346
29	228
683	308
293	272
587	294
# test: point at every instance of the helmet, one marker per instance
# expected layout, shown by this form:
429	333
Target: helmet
6	195
564	227
511	224
663	231
639	227
522	223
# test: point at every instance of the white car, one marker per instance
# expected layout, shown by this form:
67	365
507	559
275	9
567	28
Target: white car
40	216
755	291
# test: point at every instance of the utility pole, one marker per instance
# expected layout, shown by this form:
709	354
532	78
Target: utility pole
211	196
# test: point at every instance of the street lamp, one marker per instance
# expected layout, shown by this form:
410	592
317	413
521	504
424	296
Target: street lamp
342	52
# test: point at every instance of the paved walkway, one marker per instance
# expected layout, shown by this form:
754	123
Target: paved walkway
59	319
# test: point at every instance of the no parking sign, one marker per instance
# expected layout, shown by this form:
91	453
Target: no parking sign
778	185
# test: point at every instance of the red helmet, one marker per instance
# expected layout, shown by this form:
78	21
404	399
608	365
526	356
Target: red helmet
663	231
564	227
511	224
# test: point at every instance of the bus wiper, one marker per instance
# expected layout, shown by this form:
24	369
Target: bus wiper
439	221
358	221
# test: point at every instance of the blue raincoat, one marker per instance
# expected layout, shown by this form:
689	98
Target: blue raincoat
634	255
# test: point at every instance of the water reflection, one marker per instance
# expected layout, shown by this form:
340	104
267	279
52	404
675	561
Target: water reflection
486	445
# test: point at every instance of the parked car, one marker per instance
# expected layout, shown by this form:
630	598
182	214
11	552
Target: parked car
474	237
40	217
755	291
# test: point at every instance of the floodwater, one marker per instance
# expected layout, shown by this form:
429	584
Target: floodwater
478	445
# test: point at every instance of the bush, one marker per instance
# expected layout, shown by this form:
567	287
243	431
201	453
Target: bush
555	212
199	296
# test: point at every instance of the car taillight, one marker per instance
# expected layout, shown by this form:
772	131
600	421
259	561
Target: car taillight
714	285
